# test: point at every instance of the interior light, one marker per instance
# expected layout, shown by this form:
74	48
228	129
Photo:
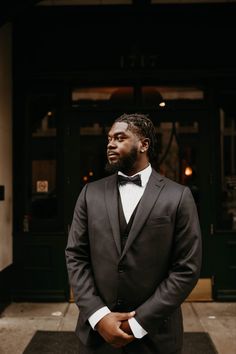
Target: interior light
85	178
162	104
49	114
188	171
91	173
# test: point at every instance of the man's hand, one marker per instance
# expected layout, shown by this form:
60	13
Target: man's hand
109	327
126	327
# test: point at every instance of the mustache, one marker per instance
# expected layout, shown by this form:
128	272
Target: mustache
123	164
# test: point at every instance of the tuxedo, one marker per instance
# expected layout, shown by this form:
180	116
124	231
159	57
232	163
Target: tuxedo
152	272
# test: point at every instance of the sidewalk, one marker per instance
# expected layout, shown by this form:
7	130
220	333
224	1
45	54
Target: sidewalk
19	322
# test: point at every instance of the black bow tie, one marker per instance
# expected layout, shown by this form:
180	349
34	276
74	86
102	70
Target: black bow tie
136	180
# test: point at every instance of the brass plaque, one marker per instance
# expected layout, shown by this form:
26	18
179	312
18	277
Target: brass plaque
42	186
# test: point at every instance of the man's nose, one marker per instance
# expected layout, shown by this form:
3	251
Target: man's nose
111	144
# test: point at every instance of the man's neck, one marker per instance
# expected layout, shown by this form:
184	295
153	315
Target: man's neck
135	170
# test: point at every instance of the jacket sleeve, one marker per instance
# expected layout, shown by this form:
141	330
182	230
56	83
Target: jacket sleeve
184	268
78	261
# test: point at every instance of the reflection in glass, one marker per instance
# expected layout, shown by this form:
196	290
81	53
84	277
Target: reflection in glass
43	199
168	151
177	153
95	96
93	152
227	212
150	96
43	189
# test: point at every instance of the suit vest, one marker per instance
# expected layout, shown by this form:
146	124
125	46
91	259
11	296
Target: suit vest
124	226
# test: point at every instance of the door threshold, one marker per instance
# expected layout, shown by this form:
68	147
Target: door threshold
202	291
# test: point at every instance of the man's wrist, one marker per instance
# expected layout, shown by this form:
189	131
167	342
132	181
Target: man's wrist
97	316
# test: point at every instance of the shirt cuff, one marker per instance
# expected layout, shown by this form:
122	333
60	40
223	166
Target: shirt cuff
97	316
138	331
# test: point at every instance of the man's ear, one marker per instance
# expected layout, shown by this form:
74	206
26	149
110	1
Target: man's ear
145	143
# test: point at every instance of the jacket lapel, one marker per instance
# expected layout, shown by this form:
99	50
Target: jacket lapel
151	194
111	200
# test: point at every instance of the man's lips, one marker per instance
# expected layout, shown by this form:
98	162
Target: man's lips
112	155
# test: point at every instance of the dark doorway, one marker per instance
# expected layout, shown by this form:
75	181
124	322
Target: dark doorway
182	133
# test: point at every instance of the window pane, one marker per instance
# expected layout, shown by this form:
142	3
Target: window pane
178	153
43	197
102	96
151	93
43	189
93	139
227	206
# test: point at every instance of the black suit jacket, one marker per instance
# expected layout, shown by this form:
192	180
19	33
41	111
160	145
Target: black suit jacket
157	268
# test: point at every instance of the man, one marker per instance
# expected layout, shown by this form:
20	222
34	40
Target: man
134	250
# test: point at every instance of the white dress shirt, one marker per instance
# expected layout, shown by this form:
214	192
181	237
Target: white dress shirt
130	195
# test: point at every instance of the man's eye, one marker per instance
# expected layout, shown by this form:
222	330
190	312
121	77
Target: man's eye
120	138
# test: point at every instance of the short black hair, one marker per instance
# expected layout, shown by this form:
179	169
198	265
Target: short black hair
143	126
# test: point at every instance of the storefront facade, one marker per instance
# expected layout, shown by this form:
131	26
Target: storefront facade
75	71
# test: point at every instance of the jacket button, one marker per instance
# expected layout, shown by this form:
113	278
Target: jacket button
121	269
119	302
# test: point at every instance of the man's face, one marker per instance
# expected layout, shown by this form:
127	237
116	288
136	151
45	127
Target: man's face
122	148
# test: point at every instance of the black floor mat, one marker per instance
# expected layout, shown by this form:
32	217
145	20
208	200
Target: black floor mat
51	342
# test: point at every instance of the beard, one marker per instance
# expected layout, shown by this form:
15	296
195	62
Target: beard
124	164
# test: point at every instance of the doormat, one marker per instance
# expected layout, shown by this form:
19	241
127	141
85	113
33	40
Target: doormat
50	342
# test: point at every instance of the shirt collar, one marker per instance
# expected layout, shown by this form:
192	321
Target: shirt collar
144	174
